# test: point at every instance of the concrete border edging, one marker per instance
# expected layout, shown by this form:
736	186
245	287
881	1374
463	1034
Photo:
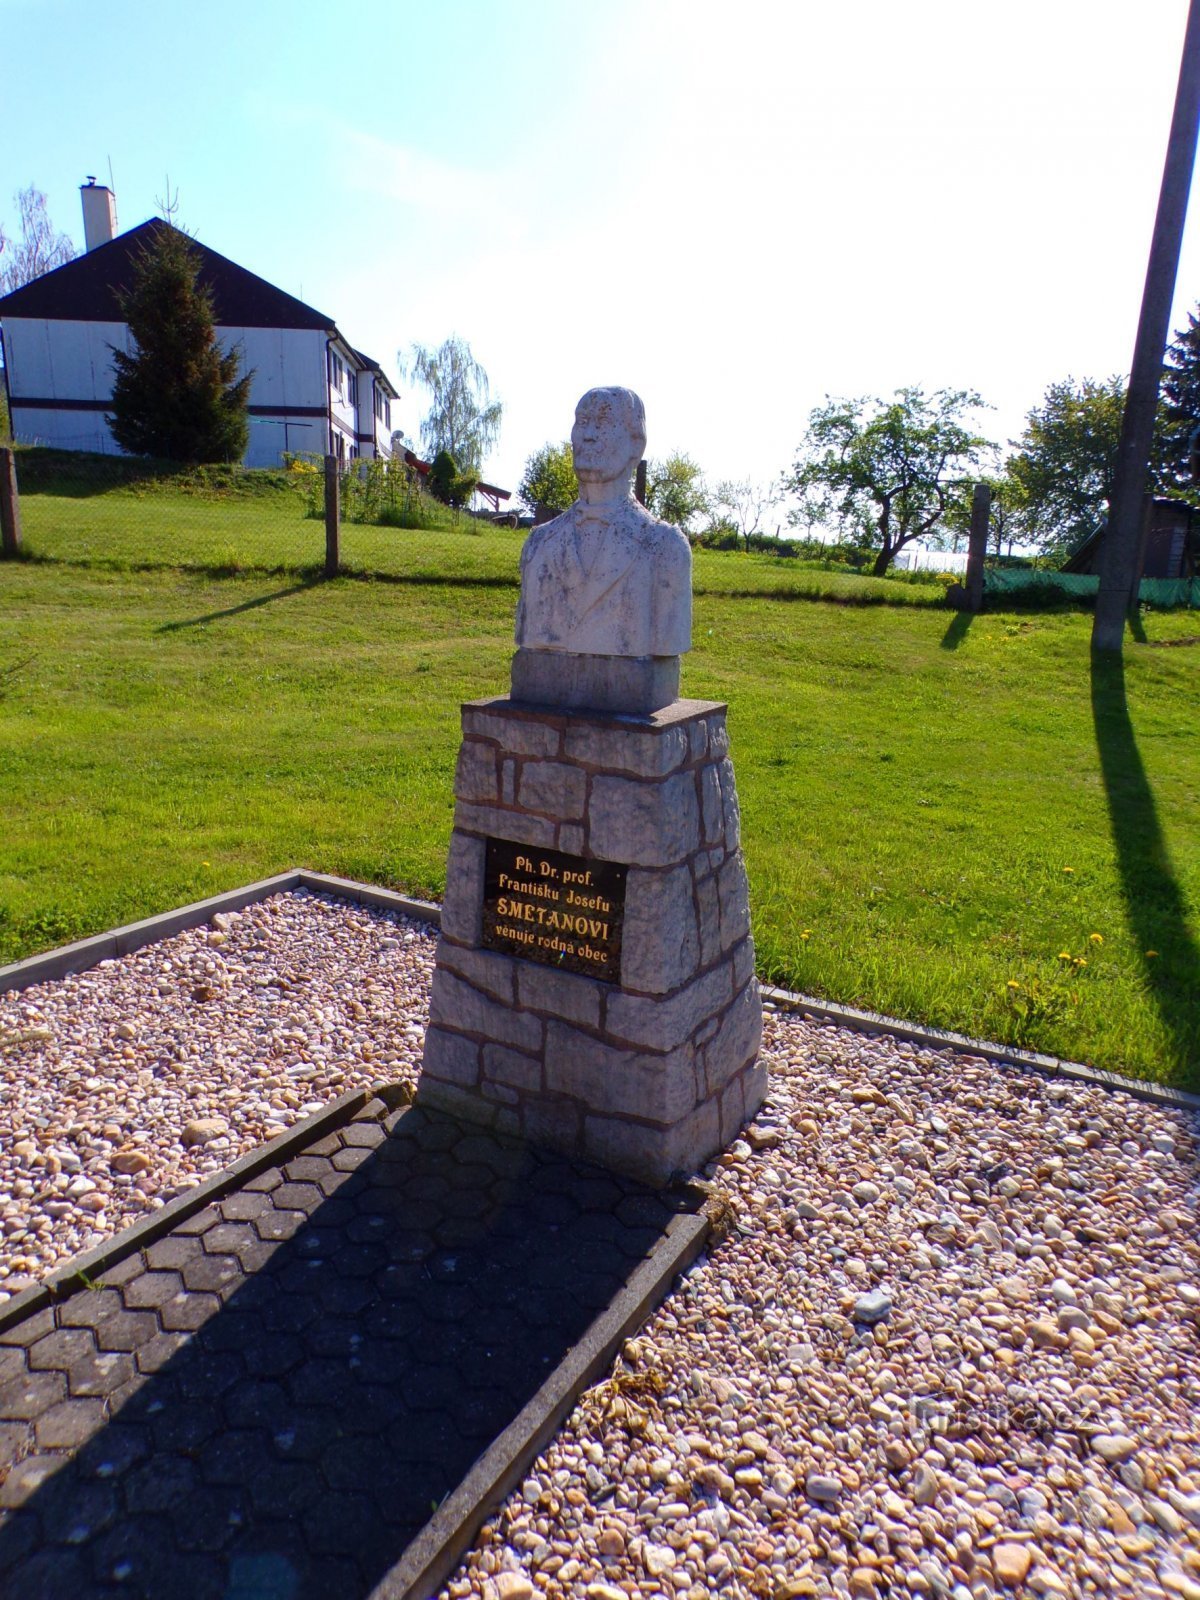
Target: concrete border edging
438	1548
75	1274
369	894
872	1022
85	953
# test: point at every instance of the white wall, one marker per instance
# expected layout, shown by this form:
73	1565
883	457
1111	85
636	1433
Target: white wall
342	408
917	559
381	435
69	360
289	370
72	361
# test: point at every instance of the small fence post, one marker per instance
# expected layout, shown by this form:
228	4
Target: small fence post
639	483
332	515
10	504
981	506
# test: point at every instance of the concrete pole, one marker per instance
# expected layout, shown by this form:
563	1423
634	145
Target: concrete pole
981	508
10	504
332	516
1140	558
1118	556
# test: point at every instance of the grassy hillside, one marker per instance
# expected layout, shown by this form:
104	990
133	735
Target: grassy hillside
123	514
947	819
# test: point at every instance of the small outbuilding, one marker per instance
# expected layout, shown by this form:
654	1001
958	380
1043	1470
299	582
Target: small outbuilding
1172	547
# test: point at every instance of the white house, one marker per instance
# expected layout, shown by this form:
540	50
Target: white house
311	390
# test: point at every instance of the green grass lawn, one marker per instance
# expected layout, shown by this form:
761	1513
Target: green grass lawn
941	814
110	512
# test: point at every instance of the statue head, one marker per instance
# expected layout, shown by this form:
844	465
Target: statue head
609	436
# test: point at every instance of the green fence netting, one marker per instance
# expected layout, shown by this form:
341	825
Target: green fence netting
1165	592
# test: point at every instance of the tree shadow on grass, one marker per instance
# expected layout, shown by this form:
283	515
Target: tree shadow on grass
960	625
233	611
1155	906
270	1404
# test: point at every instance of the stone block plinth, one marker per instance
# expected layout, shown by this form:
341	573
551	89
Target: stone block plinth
626	1026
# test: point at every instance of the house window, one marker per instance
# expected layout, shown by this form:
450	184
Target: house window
387	413
352	379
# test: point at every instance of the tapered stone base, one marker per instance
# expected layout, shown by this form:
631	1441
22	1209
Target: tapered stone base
651	1075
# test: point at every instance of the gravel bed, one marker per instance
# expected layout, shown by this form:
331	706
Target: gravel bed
950	1347
122	1086
949	1344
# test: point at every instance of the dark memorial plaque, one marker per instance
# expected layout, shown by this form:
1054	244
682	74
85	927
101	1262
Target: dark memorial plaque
562	910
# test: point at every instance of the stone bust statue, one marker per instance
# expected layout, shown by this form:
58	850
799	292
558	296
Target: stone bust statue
606	590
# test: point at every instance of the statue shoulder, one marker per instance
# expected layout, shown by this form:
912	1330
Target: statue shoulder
669	542
545	533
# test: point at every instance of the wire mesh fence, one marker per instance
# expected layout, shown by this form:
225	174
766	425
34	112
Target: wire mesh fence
125	513
1052	588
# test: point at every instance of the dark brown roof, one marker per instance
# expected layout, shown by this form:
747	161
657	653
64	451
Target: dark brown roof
87	289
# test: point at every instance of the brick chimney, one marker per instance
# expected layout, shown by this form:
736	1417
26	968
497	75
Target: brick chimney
99	213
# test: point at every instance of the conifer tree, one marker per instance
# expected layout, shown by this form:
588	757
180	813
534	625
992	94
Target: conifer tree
178	396
448	484
1178	412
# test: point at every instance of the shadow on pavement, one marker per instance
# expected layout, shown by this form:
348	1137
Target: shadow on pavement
272	1400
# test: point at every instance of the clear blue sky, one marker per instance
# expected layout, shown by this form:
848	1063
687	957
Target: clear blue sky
733	209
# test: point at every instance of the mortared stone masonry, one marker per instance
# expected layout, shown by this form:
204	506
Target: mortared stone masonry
649	1075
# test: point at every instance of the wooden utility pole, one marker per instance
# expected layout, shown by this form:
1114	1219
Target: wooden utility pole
1118	556
10	504
332	515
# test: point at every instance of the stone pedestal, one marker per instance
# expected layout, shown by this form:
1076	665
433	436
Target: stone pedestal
652	1073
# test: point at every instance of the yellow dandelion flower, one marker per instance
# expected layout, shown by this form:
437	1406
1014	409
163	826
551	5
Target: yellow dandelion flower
1151	954
806	934
1013	984
1095	938
1064	955
1068	869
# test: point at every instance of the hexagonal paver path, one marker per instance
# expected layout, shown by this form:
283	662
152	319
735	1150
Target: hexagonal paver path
270	1399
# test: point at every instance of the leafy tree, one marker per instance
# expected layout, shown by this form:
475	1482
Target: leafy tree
549	480
887	470
675	489
742	504
462	418
447	483
1065	461
40	249
178	396
1178	413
